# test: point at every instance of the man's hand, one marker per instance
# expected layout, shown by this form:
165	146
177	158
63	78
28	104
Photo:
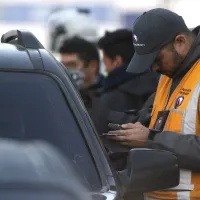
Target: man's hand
133	135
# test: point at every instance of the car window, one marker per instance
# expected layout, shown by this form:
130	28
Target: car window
32	106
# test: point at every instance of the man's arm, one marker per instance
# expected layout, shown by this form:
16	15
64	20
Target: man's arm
185	147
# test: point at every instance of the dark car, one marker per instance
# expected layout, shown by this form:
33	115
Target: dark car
38	100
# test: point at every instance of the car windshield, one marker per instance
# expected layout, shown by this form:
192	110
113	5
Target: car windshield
33	107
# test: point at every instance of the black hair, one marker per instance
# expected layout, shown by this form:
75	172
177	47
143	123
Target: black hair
118	43
86	50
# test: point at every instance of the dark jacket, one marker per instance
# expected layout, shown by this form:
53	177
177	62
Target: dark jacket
185	147
91	95
118	153
122	92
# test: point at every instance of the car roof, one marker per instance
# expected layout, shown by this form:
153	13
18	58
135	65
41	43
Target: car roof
20	49
14	57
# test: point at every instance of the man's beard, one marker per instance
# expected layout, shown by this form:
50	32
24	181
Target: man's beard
177	62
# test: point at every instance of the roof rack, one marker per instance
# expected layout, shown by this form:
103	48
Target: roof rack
23	38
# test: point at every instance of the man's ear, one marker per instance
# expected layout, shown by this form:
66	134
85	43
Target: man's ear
181	44
180	39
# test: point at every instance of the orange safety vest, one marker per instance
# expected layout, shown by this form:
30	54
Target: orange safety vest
184	118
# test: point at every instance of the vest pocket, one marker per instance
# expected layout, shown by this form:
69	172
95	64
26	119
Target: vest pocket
174	121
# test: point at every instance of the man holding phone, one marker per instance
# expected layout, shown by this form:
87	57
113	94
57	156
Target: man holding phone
164	42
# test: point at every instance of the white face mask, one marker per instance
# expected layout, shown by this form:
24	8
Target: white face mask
78	77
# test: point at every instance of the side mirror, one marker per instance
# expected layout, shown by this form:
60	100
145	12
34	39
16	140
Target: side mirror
149	170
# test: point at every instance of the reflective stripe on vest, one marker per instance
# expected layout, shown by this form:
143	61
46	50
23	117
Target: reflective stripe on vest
184	119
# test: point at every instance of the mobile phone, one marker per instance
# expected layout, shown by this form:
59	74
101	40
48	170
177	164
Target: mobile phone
110	134
115	127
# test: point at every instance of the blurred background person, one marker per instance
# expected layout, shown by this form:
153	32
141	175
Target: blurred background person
122	91
71	22
82	56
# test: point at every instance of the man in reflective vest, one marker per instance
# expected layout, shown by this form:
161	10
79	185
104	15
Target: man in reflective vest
163	43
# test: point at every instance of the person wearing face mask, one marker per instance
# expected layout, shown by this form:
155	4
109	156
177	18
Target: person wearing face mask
163	41
81	58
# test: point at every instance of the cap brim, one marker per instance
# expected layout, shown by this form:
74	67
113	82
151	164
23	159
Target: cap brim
141	63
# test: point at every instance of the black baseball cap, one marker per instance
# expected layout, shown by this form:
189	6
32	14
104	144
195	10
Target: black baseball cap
151	31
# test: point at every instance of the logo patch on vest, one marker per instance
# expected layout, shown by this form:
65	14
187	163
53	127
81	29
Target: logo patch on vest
179	101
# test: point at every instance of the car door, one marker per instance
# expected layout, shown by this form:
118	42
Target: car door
33	106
